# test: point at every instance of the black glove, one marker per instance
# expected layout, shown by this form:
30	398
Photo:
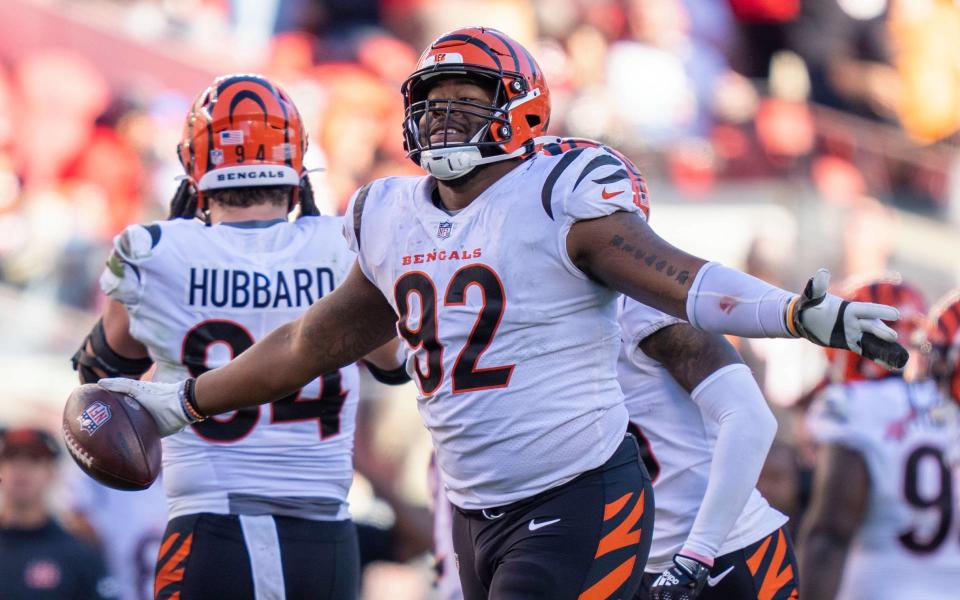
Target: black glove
183	205
683	581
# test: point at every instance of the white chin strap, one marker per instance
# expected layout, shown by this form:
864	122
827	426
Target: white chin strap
451	163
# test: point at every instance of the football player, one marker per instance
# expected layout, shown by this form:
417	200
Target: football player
883	519
257	497
501	270
705	429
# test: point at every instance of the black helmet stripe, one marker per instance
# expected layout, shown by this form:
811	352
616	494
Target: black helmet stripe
474	42
513	54
534	72
247	95
251	78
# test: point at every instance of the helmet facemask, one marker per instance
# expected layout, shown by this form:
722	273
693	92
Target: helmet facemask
486	124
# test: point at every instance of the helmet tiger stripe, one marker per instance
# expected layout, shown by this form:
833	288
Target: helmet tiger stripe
242	131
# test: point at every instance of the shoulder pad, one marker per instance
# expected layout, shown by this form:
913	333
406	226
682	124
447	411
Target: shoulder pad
134	245
137	242
593	181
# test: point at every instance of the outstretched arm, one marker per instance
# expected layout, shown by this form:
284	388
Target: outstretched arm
337	330
722	387
621	251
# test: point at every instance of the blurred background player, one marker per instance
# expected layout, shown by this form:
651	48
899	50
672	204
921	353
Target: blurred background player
126	526
257	498
883	521
38	559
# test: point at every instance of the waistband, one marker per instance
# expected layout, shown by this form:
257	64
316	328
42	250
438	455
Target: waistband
627	451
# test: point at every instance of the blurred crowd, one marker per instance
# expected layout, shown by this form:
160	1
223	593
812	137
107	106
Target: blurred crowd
852	96
849	99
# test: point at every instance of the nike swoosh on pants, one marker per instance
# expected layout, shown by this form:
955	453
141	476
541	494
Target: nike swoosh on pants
712	581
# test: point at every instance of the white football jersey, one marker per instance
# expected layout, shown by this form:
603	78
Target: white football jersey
680	441
198	296
513	348
908	435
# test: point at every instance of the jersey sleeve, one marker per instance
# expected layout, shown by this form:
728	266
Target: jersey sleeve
596	183
122	278
353	225
638	321
345	257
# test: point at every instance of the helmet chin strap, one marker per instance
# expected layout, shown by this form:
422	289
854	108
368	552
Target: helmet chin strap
451	163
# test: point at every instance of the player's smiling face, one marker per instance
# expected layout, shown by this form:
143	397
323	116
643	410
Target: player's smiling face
438	129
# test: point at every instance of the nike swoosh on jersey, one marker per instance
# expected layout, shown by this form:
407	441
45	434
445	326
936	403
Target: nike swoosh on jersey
712	581
533	526
607	195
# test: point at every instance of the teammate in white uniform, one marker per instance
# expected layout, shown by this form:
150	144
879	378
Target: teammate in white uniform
706	429
503	266
128	526
883	521
257	498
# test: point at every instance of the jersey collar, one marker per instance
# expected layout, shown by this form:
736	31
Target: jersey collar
254	224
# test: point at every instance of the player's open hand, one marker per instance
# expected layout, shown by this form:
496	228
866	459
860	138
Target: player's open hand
166	402
828	320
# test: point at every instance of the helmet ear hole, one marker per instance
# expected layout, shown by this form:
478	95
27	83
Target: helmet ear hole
533	120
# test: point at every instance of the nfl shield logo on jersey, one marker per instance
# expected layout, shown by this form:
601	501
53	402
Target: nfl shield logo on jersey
444	229
94	416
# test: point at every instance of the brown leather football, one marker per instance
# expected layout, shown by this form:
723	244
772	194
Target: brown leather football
112	438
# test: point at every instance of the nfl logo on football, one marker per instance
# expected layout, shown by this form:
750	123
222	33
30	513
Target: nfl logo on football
443	231
94	416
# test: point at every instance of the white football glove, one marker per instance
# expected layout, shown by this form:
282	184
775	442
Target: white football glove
166	402
828	320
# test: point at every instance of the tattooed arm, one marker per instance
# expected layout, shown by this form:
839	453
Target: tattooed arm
621	251
722	387
688	354
337	330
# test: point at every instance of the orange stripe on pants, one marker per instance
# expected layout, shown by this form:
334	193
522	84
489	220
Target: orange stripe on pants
172	570
621	536
610	583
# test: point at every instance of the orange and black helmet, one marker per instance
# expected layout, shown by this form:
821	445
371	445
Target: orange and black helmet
637	183
242	131
519	113
943	336
847	367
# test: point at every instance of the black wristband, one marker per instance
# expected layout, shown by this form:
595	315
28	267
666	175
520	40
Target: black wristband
190	400
397	376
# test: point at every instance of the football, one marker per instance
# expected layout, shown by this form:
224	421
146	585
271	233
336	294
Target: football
112	438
